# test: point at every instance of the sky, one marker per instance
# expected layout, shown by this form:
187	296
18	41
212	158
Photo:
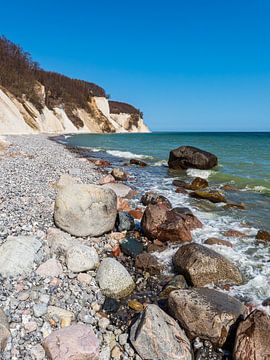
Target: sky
189	65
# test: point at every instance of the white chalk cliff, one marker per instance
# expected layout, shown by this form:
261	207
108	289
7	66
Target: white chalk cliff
21	117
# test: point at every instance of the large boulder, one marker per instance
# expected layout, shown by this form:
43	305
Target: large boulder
201	266
186	157
165	224
212	196
85	210
205	313
156	336
4	330
73	342
114	280
253	337
18	255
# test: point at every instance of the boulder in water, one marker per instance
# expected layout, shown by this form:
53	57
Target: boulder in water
212	196
186	157
154	198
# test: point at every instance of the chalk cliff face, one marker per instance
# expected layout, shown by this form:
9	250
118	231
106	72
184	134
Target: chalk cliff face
33	101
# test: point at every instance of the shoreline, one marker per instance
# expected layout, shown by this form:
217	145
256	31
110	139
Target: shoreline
31	169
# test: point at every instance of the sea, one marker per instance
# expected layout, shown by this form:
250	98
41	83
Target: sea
244	162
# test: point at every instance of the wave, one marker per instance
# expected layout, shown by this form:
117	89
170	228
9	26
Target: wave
128	154
204	174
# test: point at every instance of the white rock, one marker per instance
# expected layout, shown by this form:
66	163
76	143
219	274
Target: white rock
51	267
114	280
17	255
120	189
81	258
85	210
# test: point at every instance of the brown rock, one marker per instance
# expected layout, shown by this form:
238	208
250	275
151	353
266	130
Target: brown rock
266	302
201	266
177	282
180	183
165	224
135	305
123	204
205	313
181	190
263	235
235	206
154	198
253	337
198	183
148	262
73	342
119	174
215	241
137	162
234	233
156	245
101	163
228	187
106	179
213	196
136	213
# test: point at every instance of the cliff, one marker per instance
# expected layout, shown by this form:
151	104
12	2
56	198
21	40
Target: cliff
33	100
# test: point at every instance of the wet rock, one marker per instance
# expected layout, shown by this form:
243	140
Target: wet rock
121	190
201	265
154	198
186	157
119	174
229	187
137	162
234	233
216	241
165	224
114	280
266	302
157	336
181	190
213	196
148	262
100	162
205	313
156	245
73	342
81	258
198	184
85	210
131	247
4	330
124	221
123	205
136	213
180	183
235	206
135	305
178	282
253	337
51	267
18	254
106	179
263	235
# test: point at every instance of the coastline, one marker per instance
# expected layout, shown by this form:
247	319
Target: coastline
31	169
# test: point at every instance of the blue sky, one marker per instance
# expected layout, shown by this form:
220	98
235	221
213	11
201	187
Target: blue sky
188	65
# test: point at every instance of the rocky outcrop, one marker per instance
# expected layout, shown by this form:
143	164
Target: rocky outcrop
157	336
205	313
186	157
84	210
253	337
201	266
165	224
73	342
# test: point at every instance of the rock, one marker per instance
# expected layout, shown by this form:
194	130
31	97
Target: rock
4	330
119	174
253	337
198	184
100	162
263	235
181	190
103	323
201	266
30	326
186	157
154	198
137	162
18	254
85	210
58	241
65	316
40	309
84	278
149	263
136	213
178	282
37	352
165	224
114	280
66	180
123	204
135	305
234	233
131	247
215	241
228	187
266	302
120	189
213	196
51	267
235	206
81	258
156	245
205	313
124	221
73	342
180	183
157	336
205	351
106	179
